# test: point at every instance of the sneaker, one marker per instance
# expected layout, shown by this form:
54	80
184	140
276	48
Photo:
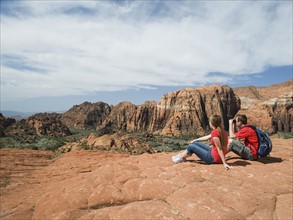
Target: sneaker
177	159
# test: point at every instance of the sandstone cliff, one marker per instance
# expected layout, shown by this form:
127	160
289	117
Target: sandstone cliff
183	112
86	115
108	185
265	92
270	108
187	111
122	118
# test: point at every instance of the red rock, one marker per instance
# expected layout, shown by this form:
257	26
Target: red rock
109	185
183	112
86	115
270	108
48	124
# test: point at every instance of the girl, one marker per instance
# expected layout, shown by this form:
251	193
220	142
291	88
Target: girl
214	154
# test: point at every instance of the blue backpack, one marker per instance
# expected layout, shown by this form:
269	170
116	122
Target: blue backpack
264	142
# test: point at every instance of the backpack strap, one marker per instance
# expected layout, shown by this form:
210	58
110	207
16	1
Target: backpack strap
254	128
251	126
258	139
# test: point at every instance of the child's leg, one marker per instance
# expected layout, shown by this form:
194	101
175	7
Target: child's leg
201	150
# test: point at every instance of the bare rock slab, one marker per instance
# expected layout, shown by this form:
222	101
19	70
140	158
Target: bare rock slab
108	185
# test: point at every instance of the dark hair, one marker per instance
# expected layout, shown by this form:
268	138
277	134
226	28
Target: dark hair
216	121
242	119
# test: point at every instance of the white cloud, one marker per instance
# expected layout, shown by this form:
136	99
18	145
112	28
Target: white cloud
89	46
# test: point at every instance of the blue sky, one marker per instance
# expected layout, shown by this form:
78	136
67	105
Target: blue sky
55	54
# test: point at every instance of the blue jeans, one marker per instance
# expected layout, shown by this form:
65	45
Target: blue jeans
201	150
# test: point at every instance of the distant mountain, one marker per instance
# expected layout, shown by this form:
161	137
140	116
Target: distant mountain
22	115
17	115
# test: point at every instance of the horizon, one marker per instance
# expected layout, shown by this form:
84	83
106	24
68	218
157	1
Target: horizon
58	54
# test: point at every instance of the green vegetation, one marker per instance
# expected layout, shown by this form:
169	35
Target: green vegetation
77	134
35	143
165	144
160	143
32	141
285	135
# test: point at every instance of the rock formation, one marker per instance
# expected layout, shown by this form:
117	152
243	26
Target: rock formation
182	112
187	111
128	117
272	115
40	124
108	185
265	92
270	108
5	123
86	115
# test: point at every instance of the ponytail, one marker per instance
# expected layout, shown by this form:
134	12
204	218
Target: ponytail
222	138
216	121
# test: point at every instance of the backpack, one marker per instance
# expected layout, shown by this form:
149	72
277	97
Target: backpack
264	142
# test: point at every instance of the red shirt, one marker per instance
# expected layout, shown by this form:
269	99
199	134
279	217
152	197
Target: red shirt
250	139
214	152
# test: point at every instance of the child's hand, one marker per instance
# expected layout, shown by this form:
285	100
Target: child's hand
190	142
227	167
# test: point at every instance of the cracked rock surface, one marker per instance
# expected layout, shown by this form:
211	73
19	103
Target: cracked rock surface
109	185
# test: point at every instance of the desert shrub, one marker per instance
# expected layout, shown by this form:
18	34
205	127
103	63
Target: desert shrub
164	149
155	144
49	143
160	143
77	134
43	142
6	142
84	145
164	143
285	135
40	143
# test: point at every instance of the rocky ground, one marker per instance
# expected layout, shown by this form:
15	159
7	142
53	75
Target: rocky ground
107	185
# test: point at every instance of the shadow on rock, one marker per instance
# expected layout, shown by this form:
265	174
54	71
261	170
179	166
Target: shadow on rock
197	161
242	163
266	160
238	162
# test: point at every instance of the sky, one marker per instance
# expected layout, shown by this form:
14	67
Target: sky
56	54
